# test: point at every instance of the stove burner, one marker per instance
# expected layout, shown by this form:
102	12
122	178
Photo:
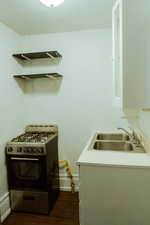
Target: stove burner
33	137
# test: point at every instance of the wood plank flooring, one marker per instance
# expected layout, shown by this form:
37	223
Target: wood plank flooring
65	212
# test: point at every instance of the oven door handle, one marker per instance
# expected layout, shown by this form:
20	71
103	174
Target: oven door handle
23	159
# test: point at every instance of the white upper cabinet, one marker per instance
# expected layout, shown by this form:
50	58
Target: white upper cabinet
132	60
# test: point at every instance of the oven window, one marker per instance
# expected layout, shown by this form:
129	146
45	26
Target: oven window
27	170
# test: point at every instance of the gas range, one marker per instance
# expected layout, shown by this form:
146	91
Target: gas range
33	172
33	141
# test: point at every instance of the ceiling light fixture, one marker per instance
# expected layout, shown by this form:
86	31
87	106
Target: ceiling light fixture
52	3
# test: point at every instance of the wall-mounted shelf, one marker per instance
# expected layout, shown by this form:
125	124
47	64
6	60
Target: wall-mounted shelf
34	76
37	55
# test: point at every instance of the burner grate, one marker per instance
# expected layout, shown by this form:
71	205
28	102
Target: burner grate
30	137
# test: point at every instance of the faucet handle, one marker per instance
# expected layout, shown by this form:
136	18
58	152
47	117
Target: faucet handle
136	139
131	129
133	134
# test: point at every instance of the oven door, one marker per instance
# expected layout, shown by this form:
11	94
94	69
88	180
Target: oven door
27	172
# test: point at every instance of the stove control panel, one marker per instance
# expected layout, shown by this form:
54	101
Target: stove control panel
27	150
33	150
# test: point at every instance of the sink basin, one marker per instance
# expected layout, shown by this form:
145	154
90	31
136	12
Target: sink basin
114	146
113	136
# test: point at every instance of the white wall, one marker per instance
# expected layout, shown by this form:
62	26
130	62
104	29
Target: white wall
82	101
11	97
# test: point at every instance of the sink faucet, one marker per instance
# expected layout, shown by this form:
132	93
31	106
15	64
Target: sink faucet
129	134
133	136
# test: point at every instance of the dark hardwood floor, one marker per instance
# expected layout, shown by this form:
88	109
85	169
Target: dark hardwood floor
65	212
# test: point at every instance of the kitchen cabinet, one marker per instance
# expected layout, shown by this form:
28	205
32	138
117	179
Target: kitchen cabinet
113	195
134	52
114	186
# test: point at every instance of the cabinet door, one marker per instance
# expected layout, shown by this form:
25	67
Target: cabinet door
136	54
117	52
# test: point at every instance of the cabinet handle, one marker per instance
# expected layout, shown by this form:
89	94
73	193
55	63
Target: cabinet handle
24	159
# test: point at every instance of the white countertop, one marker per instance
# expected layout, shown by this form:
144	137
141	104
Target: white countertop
112	158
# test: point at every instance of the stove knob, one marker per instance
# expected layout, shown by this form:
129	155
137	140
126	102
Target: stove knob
29	150
40	150
19	150
10	149
33	150
25	150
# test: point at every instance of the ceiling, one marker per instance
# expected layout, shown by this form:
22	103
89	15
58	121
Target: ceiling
31	17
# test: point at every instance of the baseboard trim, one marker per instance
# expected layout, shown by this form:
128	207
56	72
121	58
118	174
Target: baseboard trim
5	215
5	209
5	196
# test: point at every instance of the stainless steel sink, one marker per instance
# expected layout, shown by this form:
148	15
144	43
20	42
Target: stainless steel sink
113	136
114	146
114	142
